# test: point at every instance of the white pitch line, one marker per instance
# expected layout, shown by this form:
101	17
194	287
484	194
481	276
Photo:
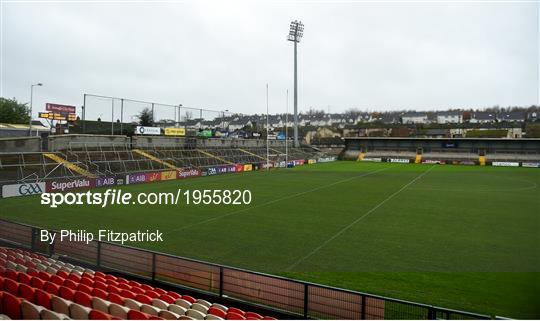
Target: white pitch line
292	266
277	200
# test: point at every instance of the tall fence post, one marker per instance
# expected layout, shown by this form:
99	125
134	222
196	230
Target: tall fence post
306	298
221	281
153	266
363	308
33	239
431	313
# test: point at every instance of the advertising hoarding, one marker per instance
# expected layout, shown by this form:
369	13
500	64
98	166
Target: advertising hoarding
145	130
67	185
173	131
66	109
25	189
168	175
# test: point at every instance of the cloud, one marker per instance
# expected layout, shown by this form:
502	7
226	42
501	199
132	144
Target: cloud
220	55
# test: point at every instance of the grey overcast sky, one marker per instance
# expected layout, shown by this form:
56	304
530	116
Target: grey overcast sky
220	54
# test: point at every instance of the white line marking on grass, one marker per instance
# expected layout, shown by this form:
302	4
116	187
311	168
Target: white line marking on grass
343	230
276	200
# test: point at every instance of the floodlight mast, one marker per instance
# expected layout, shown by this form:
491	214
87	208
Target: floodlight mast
296	32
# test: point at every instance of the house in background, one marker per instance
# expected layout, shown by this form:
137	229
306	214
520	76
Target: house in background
449	117
514	116
483	117
414	118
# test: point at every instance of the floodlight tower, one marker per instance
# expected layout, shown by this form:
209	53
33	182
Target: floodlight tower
295	34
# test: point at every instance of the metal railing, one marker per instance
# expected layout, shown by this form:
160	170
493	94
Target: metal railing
296	298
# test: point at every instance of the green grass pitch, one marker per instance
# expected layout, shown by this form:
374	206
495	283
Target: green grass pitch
454	236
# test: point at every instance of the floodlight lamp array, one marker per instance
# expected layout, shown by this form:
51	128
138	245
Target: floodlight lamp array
296	31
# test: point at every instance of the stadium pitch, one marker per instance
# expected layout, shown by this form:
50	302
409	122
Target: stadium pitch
463	237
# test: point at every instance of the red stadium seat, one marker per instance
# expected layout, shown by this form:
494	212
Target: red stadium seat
252	318
100	285
137	315
37	282
153	317
167	298
32	272
74	277
112	282
113	289
2	283
217	312
26	292
84	288
253	315
122	280
57	279
51	288
234	316
66	293
100	293
44	276
99	279
2	270
124	286
127	294
144	299
160	291
152	294
11	274
99	274
11	306
134	283
43	299
71	284
235	310
11	286
115	298
146	287
62	274
110	277
87	281
30	265
188	298
83	298
137	290
24	278
98	315
87	275
174	295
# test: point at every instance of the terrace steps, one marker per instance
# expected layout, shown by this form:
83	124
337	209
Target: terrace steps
214	156
69	165
250	153
155	159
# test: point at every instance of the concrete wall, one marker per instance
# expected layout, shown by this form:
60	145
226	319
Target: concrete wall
181	142
436	144
62	142
157	141
20	144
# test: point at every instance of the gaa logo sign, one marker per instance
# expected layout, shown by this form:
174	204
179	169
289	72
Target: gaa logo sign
23	189
30	189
